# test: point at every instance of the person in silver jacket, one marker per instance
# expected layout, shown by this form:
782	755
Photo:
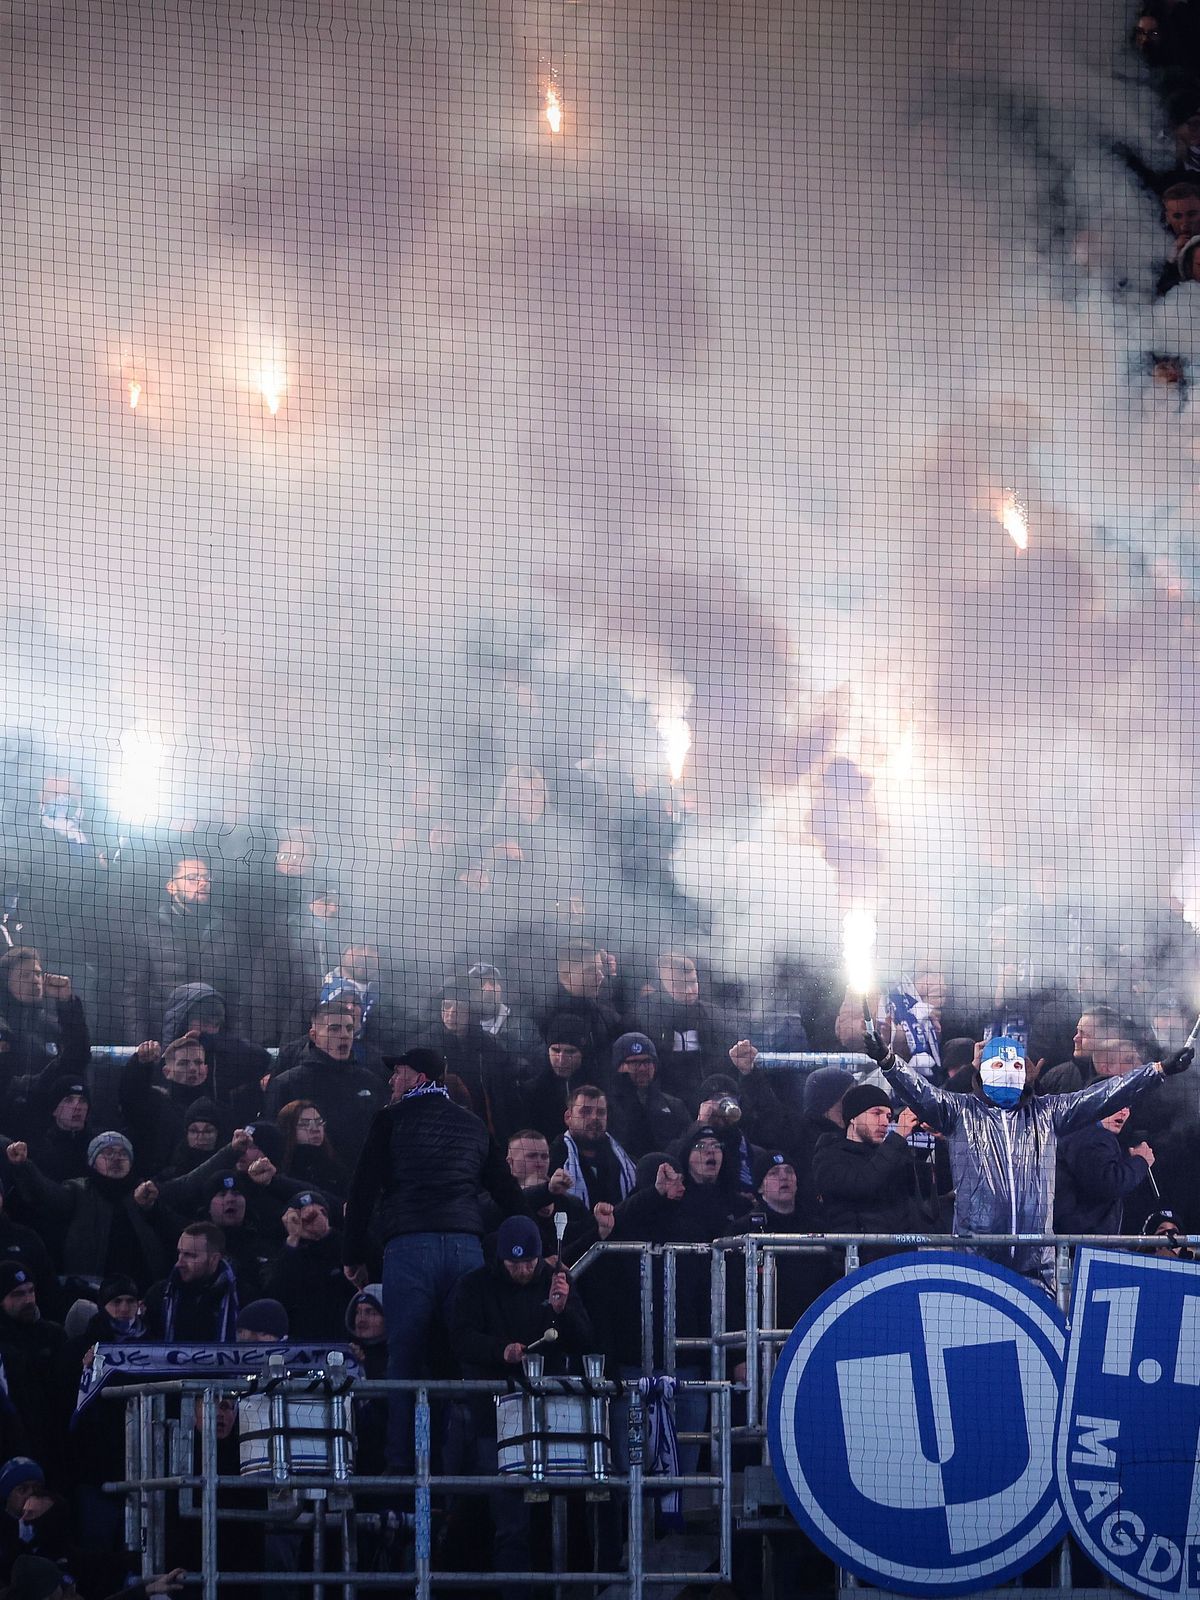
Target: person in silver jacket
1002	1140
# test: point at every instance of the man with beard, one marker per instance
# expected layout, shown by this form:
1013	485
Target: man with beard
184	941
599	1169
30	1348
197	1303
643	1116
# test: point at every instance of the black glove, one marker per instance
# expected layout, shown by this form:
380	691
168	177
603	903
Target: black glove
880	1052
1179	1062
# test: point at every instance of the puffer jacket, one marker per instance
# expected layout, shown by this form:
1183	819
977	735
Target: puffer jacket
1003	1162
425	1162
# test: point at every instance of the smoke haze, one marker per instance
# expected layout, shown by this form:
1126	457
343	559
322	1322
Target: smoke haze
706	407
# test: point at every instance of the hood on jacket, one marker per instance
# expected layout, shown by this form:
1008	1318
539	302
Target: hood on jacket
181	1005
727	1178
372	1295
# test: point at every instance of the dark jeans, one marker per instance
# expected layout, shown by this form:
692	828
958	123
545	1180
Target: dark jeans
420	1274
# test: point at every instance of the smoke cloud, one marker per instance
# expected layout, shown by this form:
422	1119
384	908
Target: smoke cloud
707	407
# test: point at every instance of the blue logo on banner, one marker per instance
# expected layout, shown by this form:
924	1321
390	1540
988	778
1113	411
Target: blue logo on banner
909	1423
1129	1432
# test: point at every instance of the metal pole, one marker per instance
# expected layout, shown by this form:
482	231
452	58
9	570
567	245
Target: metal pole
637	1439
716	1298
318	1542
646	1293
208	1494
769	1319
753	1262
1062	1275
669	1265
723	1412
424	1517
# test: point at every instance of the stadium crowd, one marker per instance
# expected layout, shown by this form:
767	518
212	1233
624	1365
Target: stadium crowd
392	1179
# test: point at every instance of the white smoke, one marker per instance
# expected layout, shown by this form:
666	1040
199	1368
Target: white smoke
701	408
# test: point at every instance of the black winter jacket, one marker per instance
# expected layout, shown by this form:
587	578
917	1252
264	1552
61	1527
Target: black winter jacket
1094	1176
347	1095
490	1311
425	1162
869	1188
308	1281
640	1126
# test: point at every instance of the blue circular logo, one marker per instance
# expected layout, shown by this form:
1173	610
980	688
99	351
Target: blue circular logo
911	1423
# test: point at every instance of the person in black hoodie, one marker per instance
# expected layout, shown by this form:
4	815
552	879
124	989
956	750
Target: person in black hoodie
197	1303
582	991
236	1065
824	1091
205	1129
348	1095
157	1086
867	1176
642	1116
30	1348
543	1095
306	1276
60	1149
109	1221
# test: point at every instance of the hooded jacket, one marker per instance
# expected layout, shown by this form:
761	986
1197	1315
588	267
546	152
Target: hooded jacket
348	1095
173	948
233	1063
1003	1162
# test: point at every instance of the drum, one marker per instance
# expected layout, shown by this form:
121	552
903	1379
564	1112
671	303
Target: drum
289	1428
542	1434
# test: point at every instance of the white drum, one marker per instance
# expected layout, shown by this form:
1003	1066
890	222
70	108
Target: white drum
307	1429
553	1435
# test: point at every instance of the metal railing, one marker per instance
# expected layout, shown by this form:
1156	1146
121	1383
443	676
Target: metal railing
161	1475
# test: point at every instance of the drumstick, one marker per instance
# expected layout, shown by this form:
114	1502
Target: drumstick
550	1335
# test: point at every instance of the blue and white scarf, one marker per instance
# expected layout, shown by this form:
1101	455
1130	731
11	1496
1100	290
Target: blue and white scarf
662	1442
574	1169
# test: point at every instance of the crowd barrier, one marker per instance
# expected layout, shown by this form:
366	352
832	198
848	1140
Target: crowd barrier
160	1439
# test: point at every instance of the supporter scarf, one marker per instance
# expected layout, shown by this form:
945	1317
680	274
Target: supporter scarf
227	1318
662	1442
915	1020
426	1088
574	1169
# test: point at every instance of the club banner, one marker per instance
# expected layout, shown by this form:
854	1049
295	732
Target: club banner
142	1363
912	1423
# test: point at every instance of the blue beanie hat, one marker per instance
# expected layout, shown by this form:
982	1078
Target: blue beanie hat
20	1469
519	1239
824	1088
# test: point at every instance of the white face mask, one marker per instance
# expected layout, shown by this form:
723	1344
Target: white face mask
1003	1081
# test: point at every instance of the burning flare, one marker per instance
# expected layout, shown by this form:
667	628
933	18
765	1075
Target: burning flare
676	738
134	391
1014	518
553	110
271	383
858	947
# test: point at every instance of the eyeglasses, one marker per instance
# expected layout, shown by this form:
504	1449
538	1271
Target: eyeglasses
311	1124
192	877
709	1146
